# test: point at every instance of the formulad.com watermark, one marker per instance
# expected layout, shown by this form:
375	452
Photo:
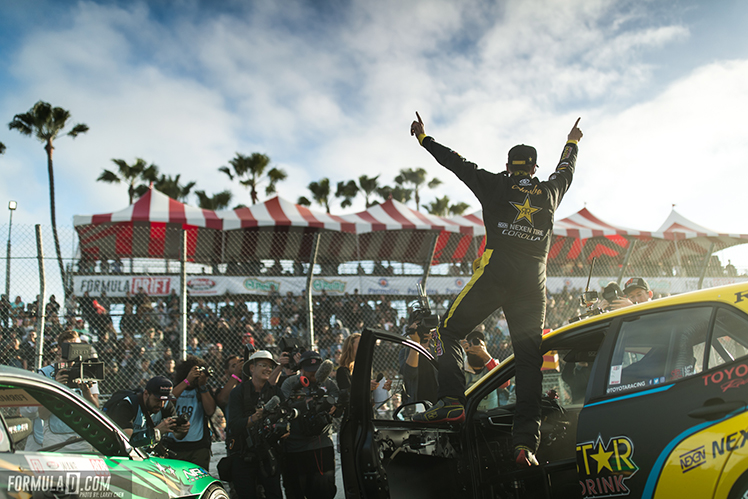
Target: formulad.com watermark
69	484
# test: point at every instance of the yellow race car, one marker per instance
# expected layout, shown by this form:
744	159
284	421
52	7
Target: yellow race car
647	401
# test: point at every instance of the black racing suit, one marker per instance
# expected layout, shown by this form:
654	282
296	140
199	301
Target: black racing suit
518	214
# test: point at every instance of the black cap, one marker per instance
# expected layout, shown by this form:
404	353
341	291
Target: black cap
310	361
635	282
159	386
522	156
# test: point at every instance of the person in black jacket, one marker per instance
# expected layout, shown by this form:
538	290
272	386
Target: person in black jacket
136	411
250	471
518	214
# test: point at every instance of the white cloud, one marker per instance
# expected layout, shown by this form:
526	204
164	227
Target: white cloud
332	94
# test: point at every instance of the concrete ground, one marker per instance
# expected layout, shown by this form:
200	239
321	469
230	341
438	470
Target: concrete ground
219	451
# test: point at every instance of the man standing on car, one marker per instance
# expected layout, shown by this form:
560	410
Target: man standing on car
518	212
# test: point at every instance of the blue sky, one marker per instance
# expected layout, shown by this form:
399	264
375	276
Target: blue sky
328	89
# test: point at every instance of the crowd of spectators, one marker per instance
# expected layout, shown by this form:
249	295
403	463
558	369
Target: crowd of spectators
145	337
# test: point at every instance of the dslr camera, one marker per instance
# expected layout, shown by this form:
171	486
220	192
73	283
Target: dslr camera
79	360
421	311
208	370
182	419
291	347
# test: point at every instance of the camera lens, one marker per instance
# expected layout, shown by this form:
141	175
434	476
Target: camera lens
475	341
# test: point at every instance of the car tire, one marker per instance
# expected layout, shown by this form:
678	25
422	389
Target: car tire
216	491
740	489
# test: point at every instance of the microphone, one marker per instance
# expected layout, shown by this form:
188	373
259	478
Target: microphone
324	371
272	404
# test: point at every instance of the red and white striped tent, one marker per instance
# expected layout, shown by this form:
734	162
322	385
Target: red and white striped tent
276	229
584	236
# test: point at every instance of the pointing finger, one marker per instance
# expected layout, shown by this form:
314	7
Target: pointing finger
419	118
577	123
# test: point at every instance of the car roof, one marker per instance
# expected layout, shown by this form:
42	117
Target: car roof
730	294
724	294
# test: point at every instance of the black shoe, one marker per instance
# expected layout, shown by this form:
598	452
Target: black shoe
524	457
446	410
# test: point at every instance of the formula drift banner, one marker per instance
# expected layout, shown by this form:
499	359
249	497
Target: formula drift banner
117	286
210	285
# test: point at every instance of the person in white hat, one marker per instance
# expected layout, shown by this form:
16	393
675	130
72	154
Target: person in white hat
244	411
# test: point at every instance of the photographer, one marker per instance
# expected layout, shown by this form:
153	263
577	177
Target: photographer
232	377
419	378
309	469
55	431
479	363
636	290
194	399
250	468
136	411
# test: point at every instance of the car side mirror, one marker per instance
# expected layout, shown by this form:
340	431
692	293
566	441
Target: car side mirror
19	428
149	436
406	411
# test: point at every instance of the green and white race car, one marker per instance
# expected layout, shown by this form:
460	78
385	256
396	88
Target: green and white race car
112	468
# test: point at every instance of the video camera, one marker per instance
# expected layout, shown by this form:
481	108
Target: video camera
421	310
291	347
79	360
263	438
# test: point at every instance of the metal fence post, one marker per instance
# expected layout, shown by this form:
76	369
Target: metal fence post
427	269
309	282
707	257
184	313
632	243
41	312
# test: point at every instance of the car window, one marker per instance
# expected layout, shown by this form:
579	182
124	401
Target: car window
730	338
564	373
400	375
658	348
22	408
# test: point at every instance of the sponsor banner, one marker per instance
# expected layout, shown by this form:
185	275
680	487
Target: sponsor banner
208	285
118	286
214	285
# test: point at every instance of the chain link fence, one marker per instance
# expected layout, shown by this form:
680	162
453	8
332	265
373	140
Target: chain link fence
123	289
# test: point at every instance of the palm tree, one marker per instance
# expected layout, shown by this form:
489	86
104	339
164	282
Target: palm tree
441	207
320	193
171	187
398	193
458	209
416	177
46	123
438	207
369	186
253	168
347	191
130	174
218	201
